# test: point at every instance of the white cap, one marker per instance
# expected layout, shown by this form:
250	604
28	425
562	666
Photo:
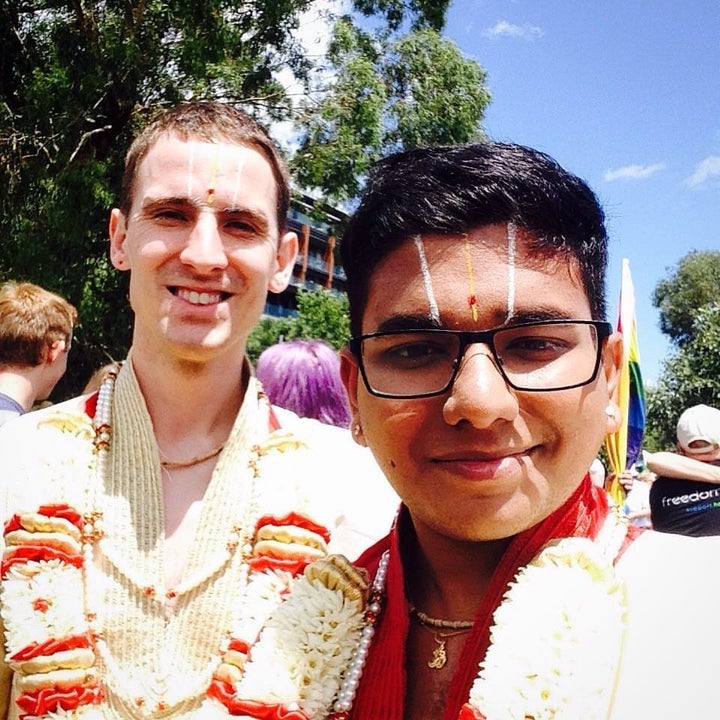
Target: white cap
700	422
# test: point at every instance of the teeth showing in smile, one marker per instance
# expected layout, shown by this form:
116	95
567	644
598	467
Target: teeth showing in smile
199	298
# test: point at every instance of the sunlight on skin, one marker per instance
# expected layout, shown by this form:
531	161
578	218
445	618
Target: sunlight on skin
472	297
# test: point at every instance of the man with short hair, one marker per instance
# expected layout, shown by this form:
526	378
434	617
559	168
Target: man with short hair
685	497
484	378
36	328
156	522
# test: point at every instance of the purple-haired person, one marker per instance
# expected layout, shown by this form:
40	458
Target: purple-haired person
304	376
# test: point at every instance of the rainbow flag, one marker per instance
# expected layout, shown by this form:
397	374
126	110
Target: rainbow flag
625	445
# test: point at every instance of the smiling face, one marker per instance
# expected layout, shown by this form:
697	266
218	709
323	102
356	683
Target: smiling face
482	461
202	243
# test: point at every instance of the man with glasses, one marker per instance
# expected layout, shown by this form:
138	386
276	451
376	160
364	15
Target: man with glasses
483	377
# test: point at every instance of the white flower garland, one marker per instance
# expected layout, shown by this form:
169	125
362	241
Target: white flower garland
557	636
313	645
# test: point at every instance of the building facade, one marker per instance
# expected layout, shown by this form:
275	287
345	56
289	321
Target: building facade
316	267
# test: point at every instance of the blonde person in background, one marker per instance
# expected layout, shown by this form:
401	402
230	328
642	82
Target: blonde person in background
36	328
637	501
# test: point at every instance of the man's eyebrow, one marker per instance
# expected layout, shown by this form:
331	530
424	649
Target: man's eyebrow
408	322
154	202
538	315
243	211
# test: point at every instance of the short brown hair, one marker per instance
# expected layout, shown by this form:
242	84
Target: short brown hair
208	121
31	320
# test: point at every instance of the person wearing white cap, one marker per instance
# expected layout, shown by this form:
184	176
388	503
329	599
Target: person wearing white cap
685	498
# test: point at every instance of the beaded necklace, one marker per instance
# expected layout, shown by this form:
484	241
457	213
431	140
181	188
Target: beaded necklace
441	631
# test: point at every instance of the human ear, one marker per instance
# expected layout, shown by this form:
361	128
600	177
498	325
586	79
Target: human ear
286	254
118	231
55	351
350	376
612	359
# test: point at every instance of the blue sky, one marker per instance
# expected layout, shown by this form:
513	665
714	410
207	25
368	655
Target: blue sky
626	94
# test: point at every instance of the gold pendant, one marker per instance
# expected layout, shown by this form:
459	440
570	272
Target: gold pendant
439	656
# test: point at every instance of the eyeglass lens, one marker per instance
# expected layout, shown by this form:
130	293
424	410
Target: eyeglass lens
537	357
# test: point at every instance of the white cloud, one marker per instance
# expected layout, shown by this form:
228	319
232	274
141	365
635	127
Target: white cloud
633	172
503	28
705	170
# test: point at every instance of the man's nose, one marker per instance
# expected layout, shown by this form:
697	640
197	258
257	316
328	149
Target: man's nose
204	249
480	394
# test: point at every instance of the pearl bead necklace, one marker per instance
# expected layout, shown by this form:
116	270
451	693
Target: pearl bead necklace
351	681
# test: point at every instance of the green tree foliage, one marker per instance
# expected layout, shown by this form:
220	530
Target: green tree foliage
390	92
78	79
321	315
690	376
426	13
324	316
695	282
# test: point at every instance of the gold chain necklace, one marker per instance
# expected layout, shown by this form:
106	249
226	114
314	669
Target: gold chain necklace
176	464
436	626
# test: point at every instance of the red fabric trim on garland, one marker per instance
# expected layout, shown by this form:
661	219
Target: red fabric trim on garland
50	646
27	553
91	404
223	692
60	511
261	563
45	700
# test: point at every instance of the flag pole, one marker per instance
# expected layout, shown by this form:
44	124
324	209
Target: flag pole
624	446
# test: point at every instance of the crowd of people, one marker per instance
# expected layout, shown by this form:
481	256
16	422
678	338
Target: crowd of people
404	530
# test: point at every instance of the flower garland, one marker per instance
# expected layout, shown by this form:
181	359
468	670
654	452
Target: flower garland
308	660
49	585
566	600
557	636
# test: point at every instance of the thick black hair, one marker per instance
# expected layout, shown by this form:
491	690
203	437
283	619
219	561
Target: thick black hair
451	189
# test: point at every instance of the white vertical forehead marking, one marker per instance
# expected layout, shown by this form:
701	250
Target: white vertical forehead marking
238	176
427	280
191	161
511	237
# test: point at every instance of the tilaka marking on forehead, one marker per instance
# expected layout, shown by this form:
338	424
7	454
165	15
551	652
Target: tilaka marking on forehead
238	176
472	297
213	175
511	238
191	162
427	281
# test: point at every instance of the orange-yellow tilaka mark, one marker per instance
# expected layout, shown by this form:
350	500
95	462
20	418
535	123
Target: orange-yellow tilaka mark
472	297
213	175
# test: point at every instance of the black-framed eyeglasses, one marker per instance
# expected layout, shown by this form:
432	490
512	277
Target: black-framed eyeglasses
531	357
